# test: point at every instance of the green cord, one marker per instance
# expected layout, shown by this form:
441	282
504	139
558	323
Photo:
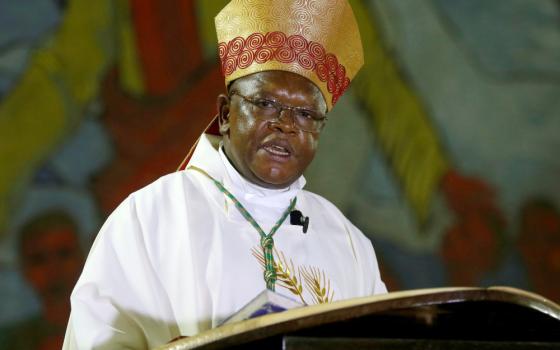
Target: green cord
267	242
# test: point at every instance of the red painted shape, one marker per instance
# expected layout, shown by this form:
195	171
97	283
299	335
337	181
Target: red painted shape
151	136
167	42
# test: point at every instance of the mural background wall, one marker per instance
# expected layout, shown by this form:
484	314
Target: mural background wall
444	151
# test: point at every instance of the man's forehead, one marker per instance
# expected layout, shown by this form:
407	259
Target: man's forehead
273	83
268	77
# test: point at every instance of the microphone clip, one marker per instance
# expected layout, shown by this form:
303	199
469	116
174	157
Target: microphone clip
297	218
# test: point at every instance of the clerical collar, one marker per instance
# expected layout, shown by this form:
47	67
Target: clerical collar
264	203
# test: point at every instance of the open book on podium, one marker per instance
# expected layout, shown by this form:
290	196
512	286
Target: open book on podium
440	318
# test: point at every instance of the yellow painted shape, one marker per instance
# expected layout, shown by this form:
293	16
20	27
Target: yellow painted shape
206	11
49	100
400	121
130	72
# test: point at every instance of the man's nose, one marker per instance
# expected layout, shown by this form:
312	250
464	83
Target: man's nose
285	121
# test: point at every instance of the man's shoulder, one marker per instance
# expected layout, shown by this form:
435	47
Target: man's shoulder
172	183
166	194
157	210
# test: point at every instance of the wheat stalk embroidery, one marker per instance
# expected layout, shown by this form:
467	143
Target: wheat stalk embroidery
315	280
286	277
319	285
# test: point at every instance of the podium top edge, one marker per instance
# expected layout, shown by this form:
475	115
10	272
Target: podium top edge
370	305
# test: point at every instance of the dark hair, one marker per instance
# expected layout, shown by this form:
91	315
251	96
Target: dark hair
45	221
536	204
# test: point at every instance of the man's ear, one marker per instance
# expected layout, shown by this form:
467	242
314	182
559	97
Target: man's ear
222	105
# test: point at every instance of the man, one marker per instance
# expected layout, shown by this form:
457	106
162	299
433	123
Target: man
189	250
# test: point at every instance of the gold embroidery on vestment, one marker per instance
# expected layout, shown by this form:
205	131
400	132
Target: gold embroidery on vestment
318	285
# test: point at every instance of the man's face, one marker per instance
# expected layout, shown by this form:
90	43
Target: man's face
270	154
52	260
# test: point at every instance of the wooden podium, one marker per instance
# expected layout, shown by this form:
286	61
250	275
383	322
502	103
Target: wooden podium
442	318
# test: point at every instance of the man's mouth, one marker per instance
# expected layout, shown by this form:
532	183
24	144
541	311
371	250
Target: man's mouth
277	150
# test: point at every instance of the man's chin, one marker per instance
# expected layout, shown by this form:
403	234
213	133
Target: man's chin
275	182
272	184
275	177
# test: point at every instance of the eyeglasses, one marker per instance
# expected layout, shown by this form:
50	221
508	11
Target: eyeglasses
304	119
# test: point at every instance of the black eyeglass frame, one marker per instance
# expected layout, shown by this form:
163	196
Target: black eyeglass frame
279	107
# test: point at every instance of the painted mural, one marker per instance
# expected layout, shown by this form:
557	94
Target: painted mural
453	127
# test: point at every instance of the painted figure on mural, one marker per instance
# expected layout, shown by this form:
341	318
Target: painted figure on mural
143	83
473	244
50	259
539	244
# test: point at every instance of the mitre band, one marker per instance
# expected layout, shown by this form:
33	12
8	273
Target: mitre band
318	39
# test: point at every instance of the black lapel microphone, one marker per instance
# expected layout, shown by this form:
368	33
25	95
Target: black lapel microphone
297	218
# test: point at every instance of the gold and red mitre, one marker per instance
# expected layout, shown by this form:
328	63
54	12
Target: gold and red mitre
317	39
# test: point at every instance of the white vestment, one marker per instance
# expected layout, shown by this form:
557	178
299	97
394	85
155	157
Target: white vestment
177	258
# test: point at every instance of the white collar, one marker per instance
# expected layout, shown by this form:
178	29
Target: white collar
249	192
263	203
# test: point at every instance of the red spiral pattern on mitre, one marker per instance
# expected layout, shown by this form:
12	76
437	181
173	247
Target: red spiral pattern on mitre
261	48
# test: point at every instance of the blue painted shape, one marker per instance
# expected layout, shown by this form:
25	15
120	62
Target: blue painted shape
517	37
